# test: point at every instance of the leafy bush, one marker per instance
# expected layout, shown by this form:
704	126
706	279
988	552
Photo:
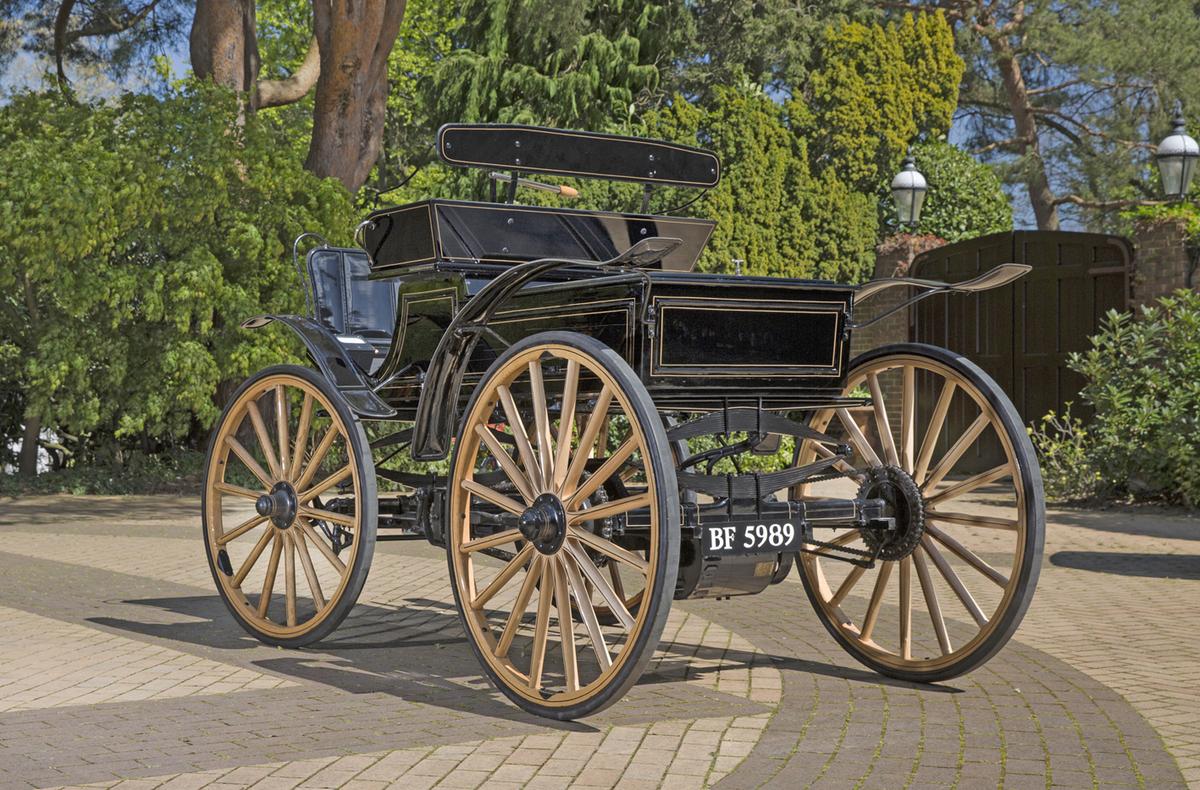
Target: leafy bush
1143	383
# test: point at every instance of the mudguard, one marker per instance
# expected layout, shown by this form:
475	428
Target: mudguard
334	362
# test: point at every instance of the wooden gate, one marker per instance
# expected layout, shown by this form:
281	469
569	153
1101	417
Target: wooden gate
1021	334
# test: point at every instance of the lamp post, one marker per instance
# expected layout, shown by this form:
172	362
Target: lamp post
908	190
1176	158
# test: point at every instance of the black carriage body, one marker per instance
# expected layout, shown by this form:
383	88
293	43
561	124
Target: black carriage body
698	341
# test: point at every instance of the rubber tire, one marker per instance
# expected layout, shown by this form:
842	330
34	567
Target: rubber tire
1035	519
367	527
667	496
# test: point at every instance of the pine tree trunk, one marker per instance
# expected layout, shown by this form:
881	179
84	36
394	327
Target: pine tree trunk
218	44
27	461
1041	196
355	40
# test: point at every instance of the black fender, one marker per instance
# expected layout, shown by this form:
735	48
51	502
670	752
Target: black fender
333	362
437	410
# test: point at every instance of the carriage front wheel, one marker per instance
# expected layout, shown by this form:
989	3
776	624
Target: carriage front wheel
289	507
563	525
951	586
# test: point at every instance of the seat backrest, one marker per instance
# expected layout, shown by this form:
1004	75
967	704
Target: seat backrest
348	302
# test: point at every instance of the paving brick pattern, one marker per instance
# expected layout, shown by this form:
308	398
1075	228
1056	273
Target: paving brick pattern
120	667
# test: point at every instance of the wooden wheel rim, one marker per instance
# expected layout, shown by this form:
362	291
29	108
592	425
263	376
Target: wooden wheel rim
295	556
481	631
911	454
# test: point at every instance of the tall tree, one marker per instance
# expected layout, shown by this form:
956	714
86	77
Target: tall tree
346	62
1068	94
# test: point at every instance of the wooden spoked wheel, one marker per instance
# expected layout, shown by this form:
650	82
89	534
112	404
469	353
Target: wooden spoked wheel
951	586
563	591
289	507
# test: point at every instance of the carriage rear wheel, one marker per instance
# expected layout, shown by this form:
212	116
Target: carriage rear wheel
939	431
289	507
563	590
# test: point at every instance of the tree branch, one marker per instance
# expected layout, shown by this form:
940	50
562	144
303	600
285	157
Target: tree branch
1106	205
276	93
108	25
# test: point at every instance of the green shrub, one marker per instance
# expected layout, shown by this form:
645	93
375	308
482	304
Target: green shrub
1143	383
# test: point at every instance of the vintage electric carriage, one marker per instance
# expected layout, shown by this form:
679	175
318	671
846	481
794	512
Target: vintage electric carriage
600	411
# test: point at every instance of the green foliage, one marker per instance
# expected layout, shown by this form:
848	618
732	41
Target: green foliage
966	198
570	63
1143	382
875	90
136	236
771	211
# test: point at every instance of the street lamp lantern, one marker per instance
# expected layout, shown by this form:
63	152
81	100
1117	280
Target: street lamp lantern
908	190
1176	157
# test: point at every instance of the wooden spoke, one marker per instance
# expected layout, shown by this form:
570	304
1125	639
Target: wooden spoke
956	452
617	506
608	548
847	585
908	417
264	441
519	606
264	600
541	626
319	542
310	573
566	423
289	579
931	601
936	421
498	539
966	555
955	583
858	439
868	626
496	498
541	423
229	488
841	466
281	428
320	488
318	455
566	626
317	514
252	558
972	520
587	612
515	475
601	475
614	601
587	438
906	608
301	436
240	529
246	458
502	578
524	448
971	483
882	425
614	573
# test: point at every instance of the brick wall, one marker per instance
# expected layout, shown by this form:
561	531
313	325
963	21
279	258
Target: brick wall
1162	261
892	259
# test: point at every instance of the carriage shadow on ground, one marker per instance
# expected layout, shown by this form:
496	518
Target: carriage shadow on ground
416	651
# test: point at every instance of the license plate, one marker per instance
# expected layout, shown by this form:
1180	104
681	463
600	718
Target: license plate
763	538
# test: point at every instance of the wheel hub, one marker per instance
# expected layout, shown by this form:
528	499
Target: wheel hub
544	523
280	505
904	504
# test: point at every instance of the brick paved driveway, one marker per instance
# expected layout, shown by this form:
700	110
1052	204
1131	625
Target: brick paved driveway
118	662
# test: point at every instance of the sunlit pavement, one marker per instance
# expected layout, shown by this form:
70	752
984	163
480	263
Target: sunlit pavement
119	665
